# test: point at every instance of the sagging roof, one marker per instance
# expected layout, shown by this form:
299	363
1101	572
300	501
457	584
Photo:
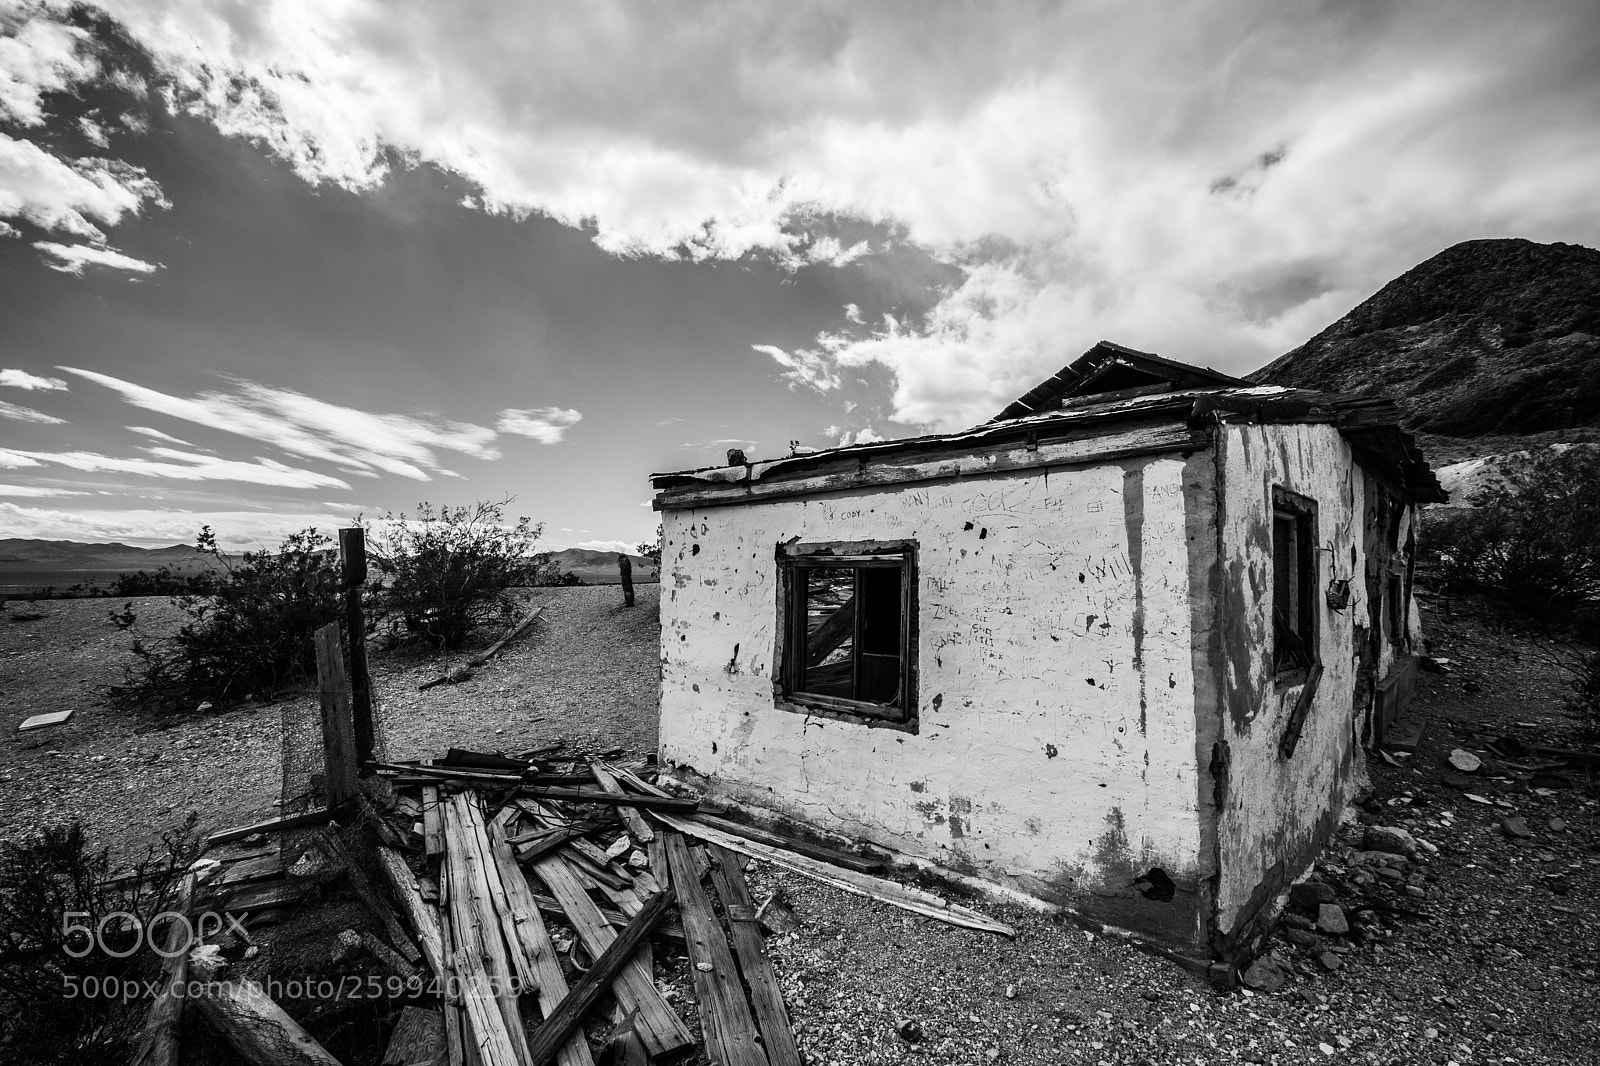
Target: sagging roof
1111	402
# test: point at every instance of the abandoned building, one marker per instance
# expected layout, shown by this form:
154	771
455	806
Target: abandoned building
1120	648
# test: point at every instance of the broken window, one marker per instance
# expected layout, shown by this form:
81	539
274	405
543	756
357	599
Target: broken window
848	619
1294	580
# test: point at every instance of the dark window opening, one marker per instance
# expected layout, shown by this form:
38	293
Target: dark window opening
1294	581
848	626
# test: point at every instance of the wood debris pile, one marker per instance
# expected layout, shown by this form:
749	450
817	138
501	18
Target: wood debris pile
526	897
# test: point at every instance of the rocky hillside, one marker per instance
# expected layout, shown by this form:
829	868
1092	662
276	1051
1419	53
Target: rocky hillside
1488	338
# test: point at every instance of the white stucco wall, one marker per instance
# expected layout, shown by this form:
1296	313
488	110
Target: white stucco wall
1056	743
1276	808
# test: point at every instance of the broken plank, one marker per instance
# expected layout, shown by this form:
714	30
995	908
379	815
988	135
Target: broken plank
777	840
494	649
725	1017
534	941
432	823
424	919
380	911
503	779
480	957
637	826
878	888
417	1039
158	1042
257	1028
772	1015
561	1023
321	816
266	895
663	1031
40	721
578	795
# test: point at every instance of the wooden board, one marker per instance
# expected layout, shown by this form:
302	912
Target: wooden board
417	1039
878	888
772	1015
40	721
257	1028
424	919
662	1030
533	939
432	823
637	826
725	1017
802	847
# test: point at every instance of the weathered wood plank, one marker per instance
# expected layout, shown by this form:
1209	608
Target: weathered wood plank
339	761
321	816
579	795
494	649
381	912
663	1031
637	826
560	1024
158	1043
816	851
772	1015
730	1030
878	888
533	938
417	1039
424	919
257	1028
432	822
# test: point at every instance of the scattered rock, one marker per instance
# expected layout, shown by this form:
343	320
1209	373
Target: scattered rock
776	916
1557	825
1301	938
1516	827
1465	761
1330	961
1265	975
1309	895
1389	838
909	1031
1331	920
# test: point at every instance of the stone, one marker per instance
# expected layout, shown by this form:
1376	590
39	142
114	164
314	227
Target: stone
1330	961
909	1031
1416	891
1309	895
1516	827
1301	938
1390	873
1389	838
1557	825
1331	919
1464	761
1265	975
1297	921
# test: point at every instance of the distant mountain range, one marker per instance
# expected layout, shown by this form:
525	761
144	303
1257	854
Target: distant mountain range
1487	339
64	562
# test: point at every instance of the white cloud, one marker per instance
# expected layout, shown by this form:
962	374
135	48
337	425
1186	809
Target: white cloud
608	546
37	491
1214	181
237	530
867	435
18	413
179	466
64	195
156	434
94	132
547	425
72	258
8	230
811	368
21	379
362	441
38	56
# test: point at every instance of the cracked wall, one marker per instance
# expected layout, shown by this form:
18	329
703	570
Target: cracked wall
1055	743
1277	810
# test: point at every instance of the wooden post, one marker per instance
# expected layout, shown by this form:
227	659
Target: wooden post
353	569
625	567
338	733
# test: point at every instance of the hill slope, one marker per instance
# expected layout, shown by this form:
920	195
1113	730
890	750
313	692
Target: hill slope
1487	337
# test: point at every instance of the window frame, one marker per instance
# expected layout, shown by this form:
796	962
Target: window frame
794	560
1302	510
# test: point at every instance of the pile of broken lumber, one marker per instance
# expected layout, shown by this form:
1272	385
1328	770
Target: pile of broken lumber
537	895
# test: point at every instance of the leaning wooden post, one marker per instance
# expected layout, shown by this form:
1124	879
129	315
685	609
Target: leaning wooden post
353	568
625	567
338	732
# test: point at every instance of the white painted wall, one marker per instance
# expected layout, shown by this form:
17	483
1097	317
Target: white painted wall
1029	586
1274	806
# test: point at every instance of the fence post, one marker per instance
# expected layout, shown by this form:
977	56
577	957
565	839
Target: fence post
338	735
353	571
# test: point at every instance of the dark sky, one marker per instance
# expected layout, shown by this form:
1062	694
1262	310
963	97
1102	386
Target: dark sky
266	264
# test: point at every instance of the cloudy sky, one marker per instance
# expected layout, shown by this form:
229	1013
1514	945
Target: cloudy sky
270	263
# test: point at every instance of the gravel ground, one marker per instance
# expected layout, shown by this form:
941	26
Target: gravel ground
1498	966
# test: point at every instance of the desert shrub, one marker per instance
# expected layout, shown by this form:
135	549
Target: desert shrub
1534	539
445	571
253	634
52	885
164	581
651	549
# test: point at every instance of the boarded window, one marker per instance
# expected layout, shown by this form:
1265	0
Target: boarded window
848	622
1294	580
